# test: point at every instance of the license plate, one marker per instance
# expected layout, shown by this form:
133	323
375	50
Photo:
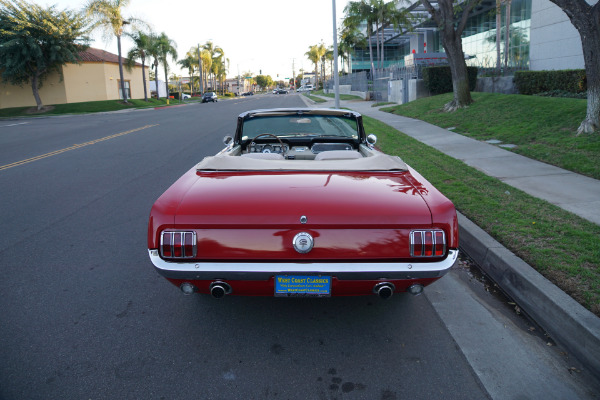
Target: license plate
302	286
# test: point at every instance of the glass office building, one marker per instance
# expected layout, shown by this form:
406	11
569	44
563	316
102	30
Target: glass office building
479	38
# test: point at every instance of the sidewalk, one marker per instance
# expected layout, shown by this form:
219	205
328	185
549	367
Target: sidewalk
567	322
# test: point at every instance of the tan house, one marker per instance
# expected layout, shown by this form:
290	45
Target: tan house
95	79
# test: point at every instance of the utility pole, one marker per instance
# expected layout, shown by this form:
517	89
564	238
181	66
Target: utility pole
294	72
336	78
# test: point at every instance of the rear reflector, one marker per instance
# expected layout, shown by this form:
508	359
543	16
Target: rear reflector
427	243
178	244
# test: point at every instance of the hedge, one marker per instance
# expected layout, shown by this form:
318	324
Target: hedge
534	82
438	80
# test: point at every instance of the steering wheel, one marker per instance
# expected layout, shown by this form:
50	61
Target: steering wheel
283	152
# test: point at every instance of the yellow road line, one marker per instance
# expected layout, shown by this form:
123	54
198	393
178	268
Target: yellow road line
75	146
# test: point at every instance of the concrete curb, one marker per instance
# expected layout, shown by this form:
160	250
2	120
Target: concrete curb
568	322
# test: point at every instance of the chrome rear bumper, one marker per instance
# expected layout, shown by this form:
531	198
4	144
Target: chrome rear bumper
264	270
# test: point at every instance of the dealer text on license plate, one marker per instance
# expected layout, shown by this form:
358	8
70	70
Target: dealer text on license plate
302	285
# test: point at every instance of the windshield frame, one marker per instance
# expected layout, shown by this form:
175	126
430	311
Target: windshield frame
341	115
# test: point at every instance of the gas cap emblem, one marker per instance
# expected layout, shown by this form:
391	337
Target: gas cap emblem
303	242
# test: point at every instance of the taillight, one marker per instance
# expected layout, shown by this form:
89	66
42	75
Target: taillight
178	244
427	243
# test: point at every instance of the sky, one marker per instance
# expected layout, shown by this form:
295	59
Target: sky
268	36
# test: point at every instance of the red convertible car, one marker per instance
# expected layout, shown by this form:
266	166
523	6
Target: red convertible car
300	203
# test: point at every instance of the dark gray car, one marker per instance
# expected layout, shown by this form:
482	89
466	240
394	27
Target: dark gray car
209	96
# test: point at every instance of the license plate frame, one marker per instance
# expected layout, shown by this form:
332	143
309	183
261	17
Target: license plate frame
302	286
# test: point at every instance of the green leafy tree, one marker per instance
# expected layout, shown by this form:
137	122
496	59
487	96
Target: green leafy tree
108	16
264	81
141	45
35	42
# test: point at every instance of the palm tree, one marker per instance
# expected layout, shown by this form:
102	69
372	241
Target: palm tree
358	12
166	48
216	53
190	62
154	52
389	14
350	38
107	14
206	67
313	56
315	53
141	44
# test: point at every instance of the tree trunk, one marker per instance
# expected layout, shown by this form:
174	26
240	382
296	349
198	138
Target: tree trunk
458	67
377	47
590	39
167	82
121	70
586	19
36	92
144	78
507	35
371	57
498	26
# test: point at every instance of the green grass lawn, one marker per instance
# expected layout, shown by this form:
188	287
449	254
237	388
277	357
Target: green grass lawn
332	95
562	246
543	128
87	107
316	99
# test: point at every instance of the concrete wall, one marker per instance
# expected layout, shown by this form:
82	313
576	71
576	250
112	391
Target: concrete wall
395	92
51	92
499	84
417	89
86	82
555	43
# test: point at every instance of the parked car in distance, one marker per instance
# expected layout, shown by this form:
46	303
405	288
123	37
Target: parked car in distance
209	96
185	96
247	94
306	88
300	204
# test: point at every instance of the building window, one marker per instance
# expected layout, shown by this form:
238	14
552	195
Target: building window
127	89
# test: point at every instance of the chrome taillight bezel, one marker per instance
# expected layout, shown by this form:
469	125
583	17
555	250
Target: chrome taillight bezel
427	243
178	244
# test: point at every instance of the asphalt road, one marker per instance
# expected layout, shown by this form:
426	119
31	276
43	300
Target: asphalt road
83	314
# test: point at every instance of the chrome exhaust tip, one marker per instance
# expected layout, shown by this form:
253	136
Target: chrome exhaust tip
218	289
384	290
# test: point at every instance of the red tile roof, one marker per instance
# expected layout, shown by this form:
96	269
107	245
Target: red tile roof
97	55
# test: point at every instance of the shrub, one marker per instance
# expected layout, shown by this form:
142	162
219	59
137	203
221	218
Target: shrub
438	80
534	82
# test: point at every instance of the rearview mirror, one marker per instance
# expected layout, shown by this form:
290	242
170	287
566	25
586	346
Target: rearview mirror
227	139
372	139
